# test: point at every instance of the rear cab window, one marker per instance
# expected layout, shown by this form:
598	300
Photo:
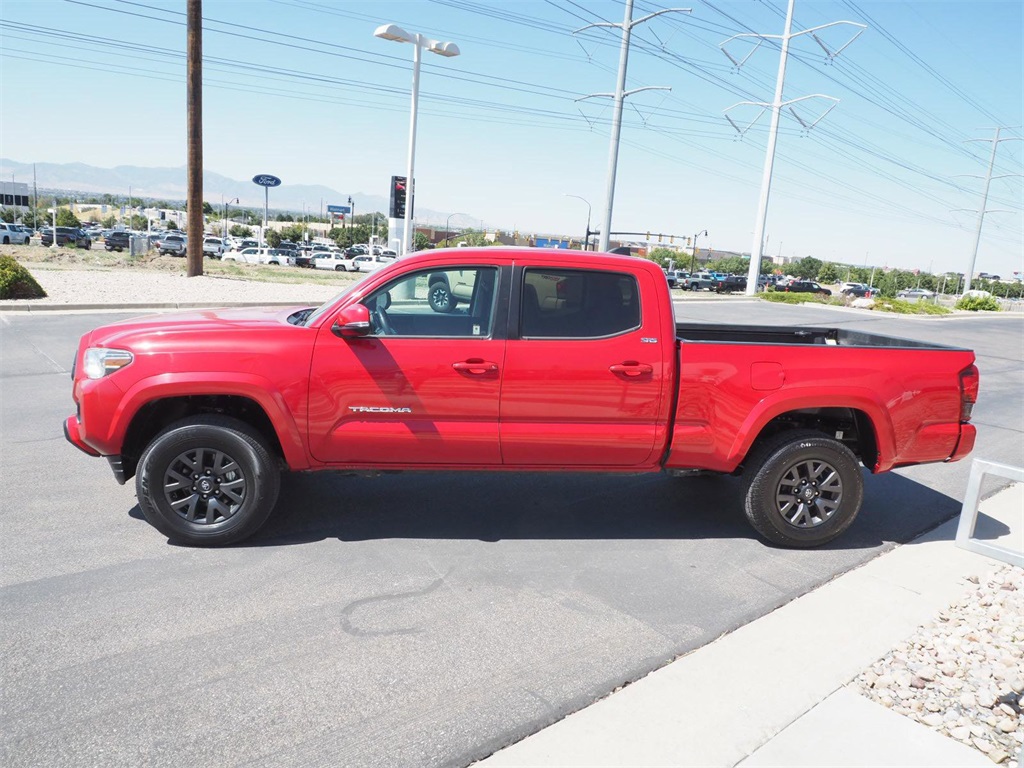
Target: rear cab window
577	304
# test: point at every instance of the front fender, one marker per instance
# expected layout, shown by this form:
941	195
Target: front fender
167	385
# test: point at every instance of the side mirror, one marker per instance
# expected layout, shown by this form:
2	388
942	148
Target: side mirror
352	321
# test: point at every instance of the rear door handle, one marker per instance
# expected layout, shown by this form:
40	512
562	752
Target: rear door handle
631	369
476	366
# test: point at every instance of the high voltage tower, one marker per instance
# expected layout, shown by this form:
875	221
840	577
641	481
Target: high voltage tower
619	96
776	107
984	201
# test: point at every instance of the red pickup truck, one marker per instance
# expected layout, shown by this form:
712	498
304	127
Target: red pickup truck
535	360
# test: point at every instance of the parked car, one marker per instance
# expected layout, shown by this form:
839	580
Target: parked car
12	234
71	237
338	261
281	257
858	290
915	294
388	253
213	246
806	286
554	364
172	245
731	284
117	241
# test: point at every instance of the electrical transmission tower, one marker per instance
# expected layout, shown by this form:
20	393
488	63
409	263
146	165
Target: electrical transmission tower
984	201
776	106
619	96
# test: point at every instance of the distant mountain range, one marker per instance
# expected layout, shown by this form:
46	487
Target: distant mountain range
171	184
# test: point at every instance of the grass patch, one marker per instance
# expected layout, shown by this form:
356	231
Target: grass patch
901	307
783	297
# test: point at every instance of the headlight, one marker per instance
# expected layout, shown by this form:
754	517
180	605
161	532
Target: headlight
100	361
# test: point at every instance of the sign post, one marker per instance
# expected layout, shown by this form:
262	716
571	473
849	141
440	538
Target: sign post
266	181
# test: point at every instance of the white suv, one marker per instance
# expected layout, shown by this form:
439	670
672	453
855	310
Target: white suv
12	233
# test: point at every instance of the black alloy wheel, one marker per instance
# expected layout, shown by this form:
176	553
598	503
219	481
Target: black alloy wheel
207	481
803	488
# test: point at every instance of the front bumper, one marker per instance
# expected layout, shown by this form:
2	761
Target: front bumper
74	436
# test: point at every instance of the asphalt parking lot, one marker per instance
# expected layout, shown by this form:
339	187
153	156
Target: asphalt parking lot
411	619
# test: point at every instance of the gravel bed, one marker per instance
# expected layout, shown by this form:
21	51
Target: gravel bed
962	674
142	286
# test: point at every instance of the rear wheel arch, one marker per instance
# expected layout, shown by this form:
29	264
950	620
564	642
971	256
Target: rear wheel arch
853	427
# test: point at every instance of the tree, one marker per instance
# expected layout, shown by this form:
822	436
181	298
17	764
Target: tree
731	265
273	238
35	218
662	256
296	233
807	268
171	225
65	218
420	242
284	217
138	222
829	273
237	230
8	215
207	208
110	222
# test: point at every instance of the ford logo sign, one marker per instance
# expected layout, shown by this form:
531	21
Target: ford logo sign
266	180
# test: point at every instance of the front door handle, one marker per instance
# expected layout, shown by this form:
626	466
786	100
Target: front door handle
476	366
631	369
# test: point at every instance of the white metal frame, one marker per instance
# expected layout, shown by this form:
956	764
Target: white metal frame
969	513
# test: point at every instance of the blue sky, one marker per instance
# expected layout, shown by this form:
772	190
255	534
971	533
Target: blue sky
302	89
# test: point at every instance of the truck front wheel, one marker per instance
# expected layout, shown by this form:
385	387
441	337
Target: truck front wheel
206	481
802	488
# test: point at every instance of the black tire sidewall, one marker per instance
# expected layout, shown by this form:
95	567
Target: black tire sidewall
774	460
233	438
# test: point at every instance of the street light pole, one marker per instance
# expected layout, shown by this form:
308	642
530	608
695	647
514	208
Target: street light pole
586	240
447	222
396	33
224	214
693	256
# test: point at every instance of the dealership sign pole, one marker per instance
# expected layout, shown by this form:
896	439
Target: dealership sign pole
266	181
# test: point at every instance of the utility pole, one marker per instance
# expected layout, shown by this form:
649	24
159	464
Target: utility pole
194	87
757	249
984	201
619	96
35	195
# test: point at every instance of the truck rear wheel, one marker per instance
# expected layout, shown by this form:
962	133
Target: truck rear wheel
207	481
802	488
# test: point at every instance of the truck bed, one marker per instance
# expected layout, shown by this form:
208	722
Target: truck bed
759	334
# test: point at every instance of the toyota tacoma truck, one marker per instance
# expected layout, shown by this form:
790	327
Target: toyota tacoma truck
554	361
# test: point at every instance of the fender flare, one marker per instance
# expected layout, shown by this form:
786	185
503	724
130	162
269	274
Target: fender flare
165	386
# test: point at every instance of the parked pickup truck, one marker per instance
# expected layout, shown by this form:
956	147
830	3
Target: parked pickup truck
557	361
700	281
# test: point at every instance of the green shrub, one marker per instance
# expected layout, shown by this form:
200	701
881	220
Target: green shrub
975	303
784	297
16	282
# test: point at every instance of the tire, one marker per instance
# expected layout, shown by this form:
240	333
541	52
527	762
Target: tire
440	297
7	240
340	268
694	287
222	451
802	488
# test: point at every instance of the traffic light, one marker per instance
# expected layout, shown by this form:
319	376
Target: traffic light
398	190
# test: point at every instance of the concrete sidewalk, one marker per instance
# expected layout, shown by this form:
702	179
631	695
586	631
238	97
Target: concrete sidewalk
773	692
